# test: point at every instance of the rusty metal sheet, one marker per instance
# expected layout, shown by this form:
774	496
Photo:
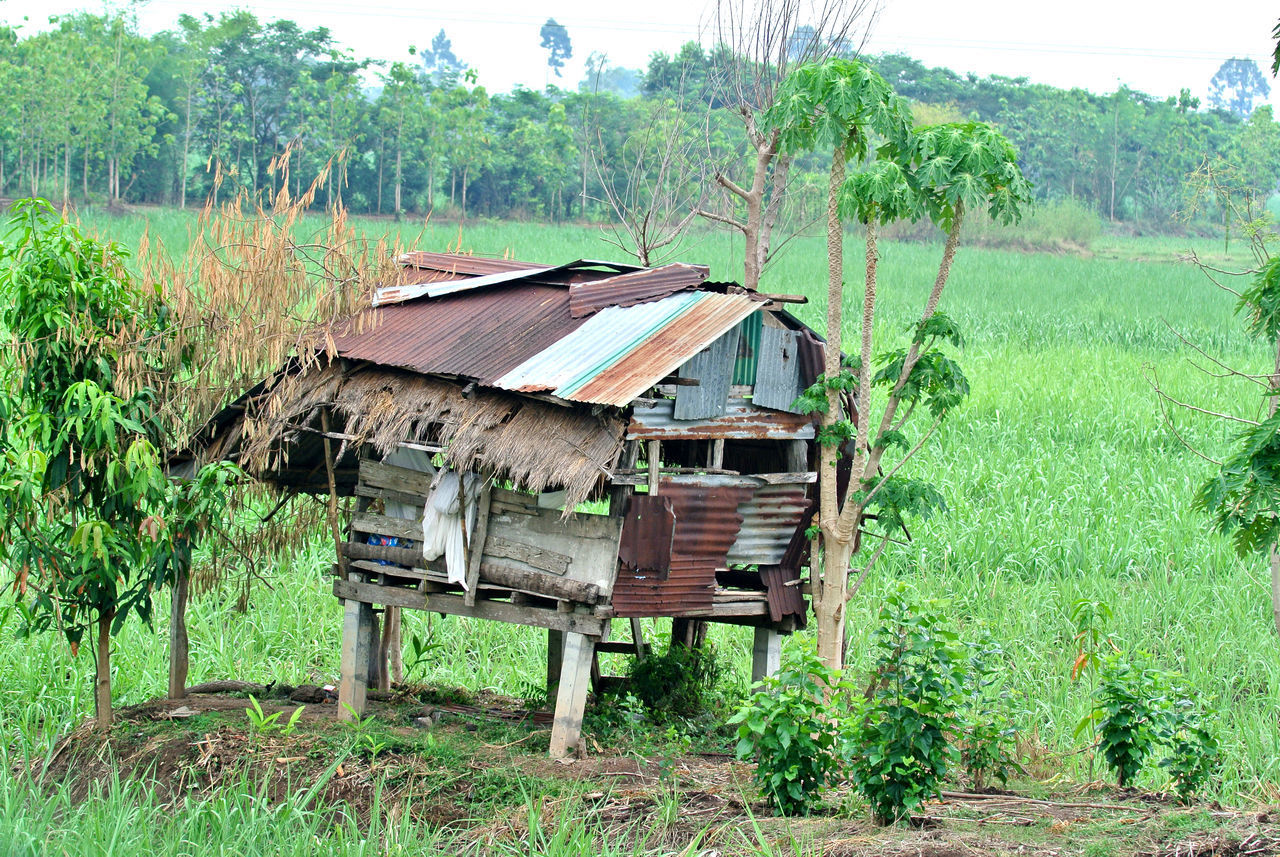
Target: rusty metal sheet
783	593
769	521
706	524
712	368
778	369
741	419
648	533
635	287
434	289
462	264
480	335
687	590
698	326
813	355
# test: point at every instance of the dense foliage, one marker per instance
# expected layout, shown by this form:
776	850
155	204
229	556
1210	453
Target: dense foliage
94	109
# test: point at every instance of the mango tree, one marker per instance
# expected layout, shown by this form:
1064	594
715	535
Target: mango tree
90	523
941	172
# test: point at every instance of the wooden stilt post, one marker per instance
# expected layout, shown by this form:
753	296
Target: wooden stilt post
571	697
637	637
555	661
379	677
766	654
358	647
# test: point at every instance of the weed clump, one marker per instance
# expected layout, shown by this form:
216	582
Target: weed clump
682	682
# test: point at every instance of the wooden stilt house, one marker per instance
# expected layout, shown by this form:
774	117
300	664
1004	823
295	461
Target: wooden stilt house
558	447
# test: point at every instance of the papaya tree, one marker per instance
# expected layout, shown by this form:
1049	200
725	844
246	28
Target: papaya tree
91	525
940	172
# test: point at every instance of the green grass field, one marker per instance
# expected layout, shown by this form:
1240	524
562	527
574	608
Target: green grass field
1061	478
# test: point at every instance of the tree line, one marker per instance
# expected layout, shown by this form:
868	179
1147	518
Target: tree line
94	110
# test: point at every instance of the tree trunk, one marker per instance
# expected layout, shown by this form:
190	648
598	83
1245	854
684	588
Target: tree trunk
86	174
1273	553
399	178
178	644
828	610
829	592
102	679
465	170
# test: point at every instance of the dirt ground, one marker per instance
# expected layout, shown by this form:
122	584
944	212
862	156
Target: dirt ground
472	766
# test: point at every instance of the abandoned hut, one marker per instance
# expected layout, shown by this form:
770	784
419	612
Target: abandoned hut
556	447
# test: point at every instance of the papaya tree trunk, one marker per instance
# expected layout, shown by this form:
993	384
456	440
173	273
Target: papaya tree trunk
1273	554
102	678
829	589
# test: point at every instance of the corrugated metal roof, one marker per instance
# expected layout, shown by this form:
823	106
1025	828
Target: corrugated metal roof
635	287
597	342
693	329
464	273
460	264
480	335
439	288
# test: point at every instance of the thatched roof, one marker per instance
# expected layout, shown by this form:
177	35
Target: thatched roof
275	431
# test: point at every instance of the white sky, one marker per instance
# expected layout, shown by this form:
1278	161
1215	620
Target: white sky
1157	47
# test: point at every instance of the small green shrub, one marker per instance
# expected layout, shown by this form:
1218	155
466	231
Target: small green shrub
1131	712
987	744
786	729
1194	752
901	745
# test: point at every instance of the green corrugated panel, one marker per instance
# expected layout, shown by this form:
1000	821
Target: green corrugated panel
744	370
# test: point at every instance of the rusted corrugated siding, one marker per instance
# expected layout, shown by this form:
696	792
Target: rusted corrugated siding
696	327
480	335
769	520
707	522
740	420
781	586
634	287
648	534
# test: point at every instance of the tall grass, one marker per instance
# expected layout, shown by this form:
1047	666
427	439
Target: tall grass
1061	478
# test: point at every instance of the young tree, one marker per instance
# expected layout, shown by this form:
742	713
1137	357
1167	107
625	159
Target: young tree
92	525
1236	85
402	106
757	48
555	41
940	172
440	64
1242	494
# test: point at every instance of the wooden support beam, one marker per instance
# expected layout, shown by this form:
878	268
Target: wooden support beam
798	456
508	577
637	637
571	696
655	464
371	593
477	545
357	645
766	654
555	660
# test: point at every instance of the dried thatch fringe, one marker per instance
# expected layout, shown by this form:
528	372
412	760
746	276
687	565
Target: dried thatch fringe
538	446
